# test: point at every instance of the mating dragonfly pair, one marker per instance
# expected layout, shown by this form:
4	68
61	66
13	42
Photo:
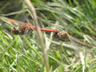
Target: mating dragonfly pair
25	28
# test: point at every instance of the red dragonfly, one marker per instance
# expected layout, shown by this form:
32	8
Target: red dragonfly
25	28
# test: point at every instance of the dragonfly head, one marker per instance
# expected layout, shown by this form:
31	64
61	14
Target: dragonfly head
15	31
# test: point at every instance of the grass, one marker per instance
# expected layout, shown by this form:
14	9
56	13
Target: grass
22	53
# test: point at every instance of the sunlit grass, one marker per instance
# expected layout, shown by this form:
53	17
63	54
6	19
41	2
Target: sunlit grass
22	53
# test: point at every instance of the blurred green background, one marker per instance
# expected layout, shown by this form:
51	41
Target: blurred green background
22	53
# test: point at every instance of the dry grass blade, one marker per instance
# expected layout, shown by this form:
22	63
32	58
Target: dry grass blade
32	9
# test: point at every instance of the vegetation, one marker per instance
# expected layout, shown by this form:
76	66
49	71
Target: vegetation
23	53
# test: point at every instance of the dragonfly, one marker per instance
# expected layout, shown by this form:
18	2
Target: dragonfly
29	27
25	28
